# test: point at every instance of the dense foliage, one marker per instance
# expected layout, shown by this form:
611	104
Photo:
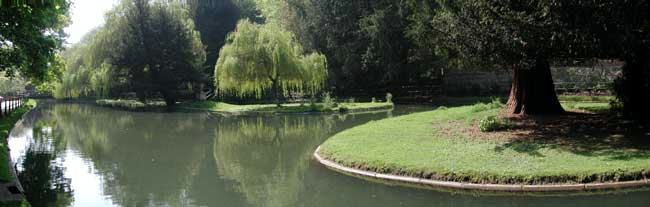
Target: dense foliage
147	47
258	58
11	86
371	47
31	32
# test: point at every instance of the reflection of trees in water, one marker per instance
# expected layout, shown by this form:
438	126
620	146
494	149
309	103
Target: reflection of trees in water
268	156
42	179
154	159
143	158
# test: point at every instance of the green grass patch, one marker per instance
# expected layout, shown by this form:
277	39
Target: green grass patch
596	107
418	145
578	98
285	108
130	104
6	124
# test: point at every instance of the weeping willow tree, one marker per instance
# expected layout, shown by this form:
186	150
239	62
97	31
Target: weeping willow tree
258	58
88	70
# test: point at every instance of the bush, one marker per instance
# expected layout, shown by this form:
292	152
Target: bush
389	98
343	109
328	101
493	123
495	104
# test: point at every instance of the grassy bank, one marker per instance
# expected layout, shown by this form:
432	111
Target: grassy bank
6	124
444	145
131	105
285	108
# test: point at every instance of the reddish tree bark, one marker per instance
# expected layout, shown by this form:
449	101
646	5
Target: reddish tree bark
533	92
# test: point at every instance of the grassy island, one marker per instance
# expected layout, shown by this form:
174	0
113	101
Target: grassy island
447	145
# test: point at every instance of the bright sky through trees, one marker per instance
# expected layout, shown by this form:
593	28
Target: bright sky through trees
86	15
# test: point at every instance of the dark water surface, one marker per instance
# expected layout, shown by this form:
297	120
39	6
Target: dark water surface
81	155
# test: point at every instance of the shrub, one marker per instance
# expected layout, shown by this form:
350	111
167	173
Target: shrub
343	109
495	104
493	123
328	101
389	98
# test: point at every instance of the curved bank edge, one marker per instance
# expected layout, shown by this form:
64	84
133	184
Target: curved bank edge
483	187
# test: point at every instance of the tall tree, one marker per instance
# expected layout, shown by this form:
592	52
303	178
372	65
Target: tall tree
160	49
520	35
368	43
214	19
31	32
528	36
257	58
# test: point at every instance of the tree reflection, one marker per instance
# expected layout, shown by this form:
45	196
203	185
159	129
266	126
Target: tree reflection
268	156
42	179
162	159
142	158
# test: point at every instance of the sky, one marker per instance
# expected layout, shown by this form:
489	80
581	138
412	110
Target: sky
86	15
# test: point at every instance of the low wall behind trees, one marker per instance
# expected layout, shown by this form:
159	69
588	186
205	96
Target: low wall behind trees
476	83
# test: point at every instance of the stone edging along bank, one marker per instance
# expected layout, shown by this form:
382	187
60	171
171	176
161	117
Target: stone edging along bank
485	187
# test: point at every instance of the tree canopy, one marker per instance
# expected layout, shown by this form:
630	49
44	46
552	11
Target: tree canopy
160	49
148	47
258	58
31	32
528	36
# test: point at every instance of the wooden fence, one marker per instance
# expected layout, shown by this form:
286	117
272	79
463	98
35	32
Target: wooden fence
9	104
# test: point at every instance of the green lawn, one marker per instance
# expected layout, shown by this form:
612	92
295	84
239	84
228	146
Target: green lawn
6	124
576	98
417	145
285	108
597	107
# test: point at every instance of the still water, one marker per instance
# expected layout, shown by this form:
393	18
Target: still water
82	155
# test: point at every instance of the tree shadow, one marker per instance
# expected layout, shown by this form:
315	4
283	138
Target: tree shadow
594	135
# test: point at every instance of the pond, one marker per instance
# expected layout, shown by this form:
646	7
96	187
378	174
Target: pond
82	155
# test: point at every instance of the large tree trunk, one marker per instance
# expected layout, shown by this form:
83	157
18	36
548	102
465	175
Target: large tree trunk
632	88
533	92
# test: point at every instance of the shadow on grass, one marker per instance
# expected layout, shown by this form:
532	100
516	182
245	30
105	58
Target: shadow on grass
601	135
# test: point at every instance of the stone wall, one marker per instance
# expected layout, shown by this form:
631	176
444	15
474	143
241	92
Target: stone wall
477	83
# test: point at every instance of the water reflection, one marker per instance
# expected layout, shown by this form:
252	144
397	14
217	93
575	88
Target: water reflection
80	155
268	157
41	176
159	159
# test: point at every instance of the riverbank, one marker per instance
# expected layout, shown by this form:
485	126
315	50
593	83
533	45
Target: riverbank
6	124
131	105
7	198
445	146
250	109
221	107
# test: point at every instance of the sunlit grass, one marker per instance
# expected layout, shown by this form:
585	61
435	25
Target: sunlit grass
284	108
415	145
